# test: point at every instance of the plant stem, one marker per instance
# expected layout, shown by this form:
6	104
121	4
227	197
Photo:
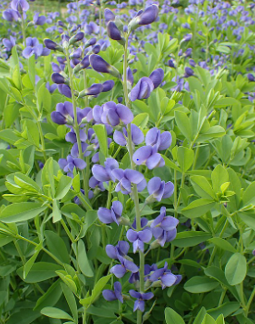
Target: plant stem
249	302
23	29
134	191
76	125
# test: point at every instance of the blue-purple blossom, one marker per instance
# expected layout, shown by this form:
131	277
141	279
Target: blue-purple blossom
141	297
165	277
113	113
161	140
63	113
136	136
138	238
108	216
32	47
10	15
125	265
164	227
142	89
108	15
105	173
149	156
39	20
20	5
159	190
120	250
128	177
70	163
115	294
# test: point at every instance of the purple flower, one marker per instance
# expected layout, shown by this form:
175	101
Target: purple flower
148	16
109	15
119	270
70	163
113	31
105	173
142	89
94	90
107	216
130	77
110	295
125	179
39	20
159	189
164	227
108	85
139	238
20	5
71	136
65	90
63	113
58	78
52	45
166	277
157	77
120	250
161	140
33	47
148	155
99	64
10	15
76	38
136	135
141	297
251	77
9	43
188	72
113	113
171	63
51	88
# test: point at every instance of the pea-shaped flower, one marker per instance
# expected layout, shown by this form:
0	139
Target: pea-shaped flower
125	179
110	295
113	113
141	297
105	173
108	15
157	77
63	113
20	5
120	250
136	136
164	227
149	156
139	238
161	140
142	89
165	276
70	163
108	216
125	265
159	189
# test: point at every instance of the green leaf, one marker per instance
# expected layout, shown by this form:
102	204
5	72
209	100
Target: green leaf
198	284
56	213
200	316
40	271
208	320
24	316
198	208
226	309
222	244
185	158
219	176
236	269
101	134
50	297
141	120
202	187
21	212
183	124
70	301
172	317
28	265
99	286
63	187
77	183
83	261
54	312
190	238
170	164
57	246
248	195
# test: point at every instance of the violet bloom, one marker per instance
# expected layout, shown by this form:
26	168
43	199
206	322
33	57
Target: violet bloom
136	136
72	138
9	43
70	163
149	156
94	89
51	88
110	295
171	63
65	90
10	15
139	238
20	5
63	113
159	189
113	31
128	177
157	77
130	77
251	77
148	16
33	47
108	85
142	89
105	173
161	140
141	297
119	270
39	20
188	72
58	78
99	64
115	252
113	113
108	216
164	227
108	15
165	276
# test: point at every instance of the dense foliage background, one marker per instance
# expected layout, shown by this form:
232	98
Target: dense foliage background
188	72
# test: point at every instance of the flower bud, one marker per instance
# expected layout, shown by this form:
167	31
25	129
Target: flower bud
91	42
108	85
114	33
109	15
96	49
76	38
146	17
58	78
157	77
52	45
99	64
